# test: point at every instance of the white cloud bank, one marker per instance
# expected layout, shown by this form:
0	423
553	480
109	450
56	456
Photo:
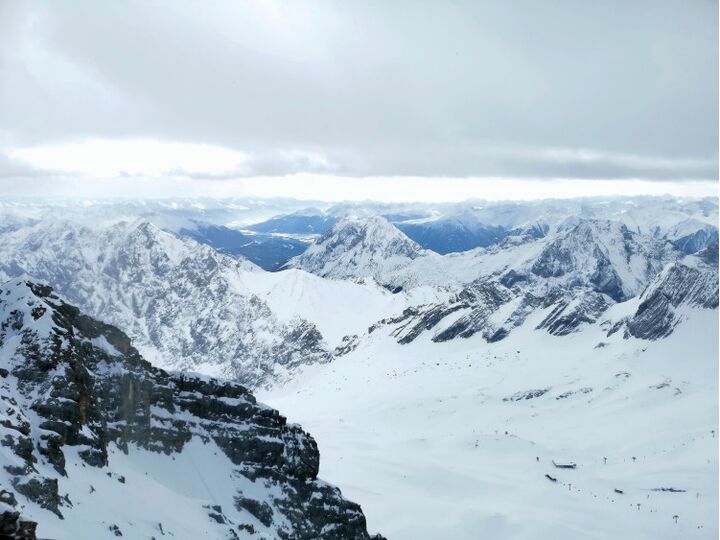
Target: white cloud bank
460	89
332	188
153	168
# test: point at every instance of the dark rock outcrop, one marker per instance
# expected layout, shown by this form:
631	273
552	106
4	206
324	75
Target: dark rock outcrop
692	284
604	256
569	313
77	382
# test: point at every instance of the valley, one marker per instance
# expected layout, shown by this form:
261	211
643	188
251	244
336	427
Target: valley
450	434
558	383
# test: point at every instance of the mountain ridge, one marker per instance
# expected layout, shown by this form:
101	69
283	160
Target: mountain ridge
184	303
80	402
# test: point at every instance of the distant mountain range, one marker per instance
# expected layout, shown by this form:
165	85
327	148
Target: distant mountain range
573	276
191	306
468	227
268	251
308	221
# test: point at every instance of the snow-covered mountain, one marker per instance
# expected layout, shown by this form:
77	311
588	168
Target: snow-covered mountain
605	255
435	370
693	235
372	247
445	227
190	307
268	251
368	247
307	221
459	437
571	278
98	443
461	227
185	304
602	254
687	285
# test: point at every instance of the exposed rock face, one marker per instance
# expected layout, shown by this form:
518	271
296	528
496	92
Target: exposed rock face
484	300
689	284
184	304
576	276
74	388
605	256
12	526
569	313
493	310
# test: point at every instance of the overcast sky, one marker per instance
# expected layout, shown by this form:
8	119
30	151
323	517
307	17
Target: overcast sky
249	97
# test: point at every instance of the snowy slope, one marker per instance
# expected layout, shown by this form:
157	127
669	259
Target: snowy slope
371	247
454	439
338	308
693	235
185	304
97	443
603	254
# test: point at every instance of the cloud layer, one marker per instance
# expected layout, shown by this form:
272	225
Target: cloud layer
612	90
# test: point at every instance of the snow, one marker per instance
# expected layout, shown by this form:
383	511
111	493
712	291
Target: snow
359	248
421	436
368	247
691	226
372	247
337	307
160	495
168	293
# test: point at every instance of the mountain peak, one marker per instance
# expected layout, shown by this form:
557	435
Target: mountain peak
605	255
357	248
310	211
373	231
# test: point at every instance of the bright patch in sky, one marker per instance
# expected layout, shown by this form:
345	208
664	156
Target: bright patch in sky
153	168
434	189
134	157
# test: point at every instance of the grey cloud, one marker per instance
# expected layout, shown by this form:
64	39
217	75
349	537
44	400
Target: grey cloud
377	88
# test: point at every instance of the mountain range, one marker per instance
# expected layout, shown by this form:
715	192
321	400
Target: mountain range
377	299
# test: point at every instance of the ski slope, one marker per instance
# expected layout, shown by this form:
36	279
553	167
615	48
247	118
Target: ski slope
438	441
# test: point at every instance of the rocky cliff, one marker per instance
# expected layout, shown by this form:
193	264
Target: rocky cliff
95	442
